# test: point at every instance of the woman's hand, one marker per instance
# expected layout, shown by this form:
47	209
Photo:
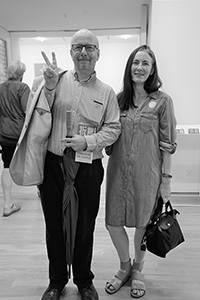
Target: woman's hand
165	189
50	72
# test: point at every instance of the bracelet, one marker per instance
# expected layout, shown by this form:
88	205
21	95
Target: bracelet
166	175
50	90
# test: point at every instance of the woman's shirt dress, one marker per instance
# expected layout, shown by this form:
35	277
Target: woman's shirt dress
135	164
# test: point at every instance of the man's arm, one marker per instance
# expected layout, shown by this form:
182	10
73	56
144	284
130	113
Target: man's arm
110	129
107	133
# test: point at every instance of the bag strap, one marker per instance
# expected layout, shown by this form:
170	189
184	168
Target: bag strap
158	210
171	209
168	205
59	78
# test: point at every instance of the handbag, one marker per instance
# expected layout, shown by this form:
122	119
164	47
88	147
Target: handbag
163	233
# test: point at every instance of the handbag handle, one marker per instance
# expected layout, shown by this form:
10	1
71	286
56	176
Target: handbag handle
168	205
159	209
173	211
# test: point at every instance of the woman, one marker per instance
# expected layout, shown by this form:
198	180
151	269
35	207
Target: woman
139	166
13	100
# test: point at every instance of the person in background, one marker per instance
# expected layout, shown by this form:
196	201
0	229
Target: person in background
95	125
13	100
139	166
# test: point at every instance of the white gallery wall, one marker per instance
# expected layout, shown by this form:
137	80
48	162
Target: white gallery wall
174	34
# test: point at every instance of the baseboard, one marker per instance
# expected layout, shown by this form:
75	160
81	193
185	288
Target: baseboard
186	199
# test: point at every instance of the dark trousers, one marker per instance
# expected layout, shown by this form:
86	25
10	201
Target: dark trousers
88	184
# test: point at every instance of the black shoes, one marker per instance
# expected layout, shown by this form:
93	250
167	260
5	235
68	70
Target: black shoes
89	293
51	294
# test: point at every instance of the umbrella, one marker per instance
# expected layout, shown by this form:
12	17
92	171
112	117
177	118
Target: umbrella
70	202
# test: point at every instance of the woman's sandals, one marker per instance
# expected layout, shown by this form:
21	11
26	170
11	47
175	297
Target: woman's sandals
122	276
137	281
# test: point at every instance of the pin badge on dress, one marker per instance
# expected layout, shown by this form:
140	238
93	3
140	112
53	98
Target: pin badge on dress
152	104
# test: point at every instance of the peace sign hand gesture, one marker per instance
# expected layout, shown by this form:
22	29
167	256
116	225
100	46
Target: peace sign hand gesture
50	72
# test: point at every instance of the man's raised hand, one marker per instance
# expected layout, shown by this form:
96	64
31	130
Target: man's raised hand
50	72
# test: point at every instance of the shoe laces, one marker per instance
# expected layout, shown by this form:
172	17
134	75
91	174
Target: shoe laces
53	292
85	290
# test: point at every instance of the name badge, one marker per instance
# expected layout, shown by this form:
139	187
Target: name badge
85	156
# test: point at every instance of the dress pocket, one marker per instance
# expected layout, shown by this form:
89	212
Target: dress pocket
146	122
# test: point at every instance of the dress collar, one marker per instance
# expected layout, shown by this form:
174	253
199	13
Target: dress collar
153	95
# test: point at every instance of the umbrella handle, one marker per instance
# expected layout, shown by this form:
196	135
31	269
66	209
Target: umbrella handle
69	123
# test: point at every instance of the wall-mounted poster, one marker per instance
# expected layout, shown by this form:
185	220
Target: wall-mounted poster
3	60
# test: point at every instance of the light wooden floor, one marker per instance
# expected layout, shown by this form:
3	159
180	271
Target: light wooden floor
24	266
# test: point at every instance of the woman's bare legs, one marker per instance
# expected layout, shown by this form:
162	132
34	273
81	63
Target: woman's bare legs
120	240
6	182
137	285
139	255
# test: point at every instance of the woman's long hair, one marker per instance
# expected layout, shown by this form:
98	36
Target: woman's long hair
152	84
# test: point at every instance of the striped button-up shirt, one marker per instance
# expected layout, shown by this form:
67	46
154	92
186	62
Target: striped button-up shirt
95	113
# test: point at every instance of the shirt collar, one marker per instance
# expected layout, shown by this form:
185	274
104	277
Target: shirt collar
89	79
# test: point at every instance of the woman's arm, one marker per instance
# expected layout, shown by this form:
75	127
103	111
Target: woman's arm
165	186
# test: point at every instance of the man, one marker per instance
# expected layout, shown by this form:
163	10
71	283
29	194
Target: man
95	125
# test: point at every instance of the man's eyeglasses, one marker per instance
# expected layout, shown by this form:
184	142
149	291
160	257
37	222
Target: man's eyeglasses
88	47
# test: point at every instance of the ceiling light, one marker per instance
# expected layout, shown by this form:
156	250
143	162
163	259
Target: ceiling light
40	38
126	36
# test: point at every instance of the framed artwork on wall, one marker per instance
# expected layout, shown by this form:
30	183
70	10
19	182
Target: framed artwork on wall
3	60
38	69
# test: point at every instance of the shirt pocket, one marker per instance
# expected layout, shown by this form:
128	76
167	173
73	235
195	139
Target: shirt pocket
146	122
92	113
